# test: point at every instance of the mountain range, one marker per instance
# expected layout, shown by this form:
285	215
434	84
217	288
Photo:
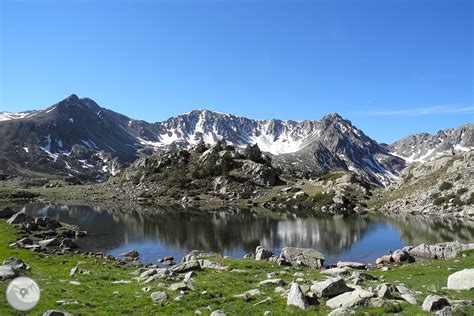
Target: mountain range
77	137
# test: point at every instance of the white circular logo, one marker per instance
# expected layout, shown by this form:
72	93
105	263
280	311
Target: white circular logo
23	294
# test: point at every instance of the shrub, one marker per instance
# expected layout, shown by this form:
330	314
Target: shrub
461	191
445	186
201	147
435	195
471	199
440	200
254	153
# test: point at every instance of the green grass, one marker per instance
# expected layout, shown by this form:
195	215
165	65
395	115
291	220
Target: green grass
96	295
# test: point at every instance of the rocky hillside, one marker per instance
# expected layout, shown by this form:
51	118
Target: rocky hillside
444	186
425	147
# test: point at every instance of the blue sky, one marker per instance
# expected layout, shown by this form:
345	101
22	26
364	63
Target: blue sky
392	67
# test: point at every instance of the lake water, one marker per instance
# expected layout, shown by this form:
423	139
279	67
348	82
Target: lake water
175	232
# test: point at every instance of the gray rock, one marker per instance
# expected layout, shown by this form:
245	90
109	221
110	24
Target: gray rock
385	291
305	257
130	254
52	242
188	276
401	255
409	298
178	286
296	297
6	212
207	264
73	271
18	218
461	280
358	277
341	312
434	303
358	297
218	313
336	271
7	272
56	313
272	281
159	297
352	265
17	264
261	253
186	266
330	287
249	294
446	250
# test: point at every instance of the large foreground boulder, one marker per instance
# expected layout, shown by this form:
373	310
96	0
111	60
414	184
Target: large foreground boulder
296	297
434	303
358	297
305	257
330	287
461	280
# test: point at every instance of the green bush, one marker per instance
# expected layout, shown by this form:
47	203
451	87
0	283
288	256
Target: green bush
439	201
445	186
470	201
461	191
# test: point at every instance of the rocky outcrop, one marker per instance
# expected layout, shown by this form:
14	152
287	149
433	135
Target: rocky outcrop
446	250
305	257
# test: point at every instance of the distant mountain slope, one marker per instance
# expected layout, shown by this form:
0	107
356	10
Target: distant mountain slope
424	147
78	137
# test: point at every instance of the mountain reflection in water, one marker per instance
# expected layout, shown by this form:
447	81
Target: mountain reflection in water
159	233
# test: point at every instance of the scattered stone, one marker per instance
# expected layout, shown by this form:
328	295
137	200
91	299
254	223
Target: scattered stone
7	272
409	298
262	253
73	271
352	265
186	266
385	291
296	297
461	280
74	282
68	243
336	271
341	311
239	271
159	297
122	282
355	298
299	274
434	303
267	313
188	276
249	294
385	259
305	257
56	313
130	254
280	289
358	277
330	287
265	301
146	289
272	281
218	313
17	264
53	242
178	286
401	255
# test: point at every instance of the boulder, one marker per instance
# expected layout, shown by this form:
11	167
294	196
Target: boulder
296	297
18	218
401	255
56	313
385	291
305	257
6	212
159	297
218	313
341	312
461	280
434	303
272	281
385	259
358	277
261	253
52	242
446	250
178	286
186	266
336	271
411	299
358	297
131	254
249	294
330	287
198	254
352	265
17	264
7	272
